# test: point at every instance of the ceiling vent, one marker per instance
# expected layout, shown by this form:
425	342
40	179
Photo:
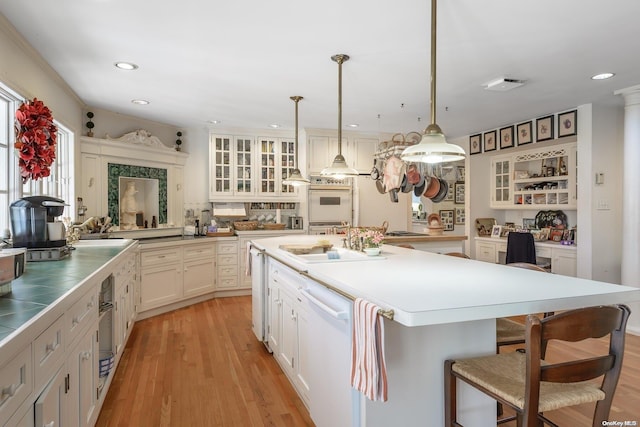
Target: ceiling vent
503	84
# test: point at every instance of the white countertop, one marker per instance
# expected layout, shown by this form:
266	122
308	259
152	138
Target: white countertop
426	288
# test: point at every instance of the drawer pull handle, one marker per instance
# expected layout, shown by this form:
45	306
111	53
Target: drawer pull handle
86	355
8	392
75	320
161	256
51	347
51	424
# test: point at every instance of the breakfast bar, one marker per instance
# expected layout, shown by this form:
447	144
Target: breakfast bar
443	307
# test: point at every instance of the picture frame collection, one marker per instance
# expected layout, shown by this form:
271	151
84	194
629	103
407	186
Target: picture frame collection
546	128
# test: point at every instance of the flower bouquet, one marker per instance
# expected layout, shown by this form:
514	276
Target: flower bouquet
36	136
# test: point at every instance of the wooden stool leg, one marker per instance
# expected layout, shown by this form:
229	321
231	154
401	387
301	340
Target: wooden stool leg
450	404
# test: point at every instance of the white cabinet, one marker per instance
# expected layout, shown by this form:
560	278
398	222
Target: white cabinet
543	178
199	269
50	407
564	262
501	182
561	259
16	382
289	321
160	277
82	381
276	159
358	152
227	265
231	166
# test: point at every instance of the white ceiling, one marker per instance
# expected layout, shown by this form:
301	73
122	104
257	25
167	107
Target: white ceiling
240	61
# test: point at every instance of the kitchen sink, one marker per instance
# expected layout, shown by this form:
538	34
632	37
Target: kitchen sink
339	255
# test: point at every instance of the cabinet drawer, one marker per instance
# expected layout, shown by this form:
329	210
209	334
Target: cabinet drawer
81	314
486	252
199	251
227	283
228	248
48	350
543	252
15	382
227	260
227	270
163	256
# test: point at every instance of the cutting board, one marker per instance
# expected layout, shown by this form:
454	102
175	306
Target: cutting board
307	249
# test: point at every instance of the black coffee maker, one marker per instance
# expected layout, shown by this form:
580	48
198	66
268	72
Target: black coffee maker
29	219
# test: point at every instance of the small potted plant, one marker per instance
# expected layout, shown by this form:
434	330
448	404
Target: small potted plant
179	141
371	241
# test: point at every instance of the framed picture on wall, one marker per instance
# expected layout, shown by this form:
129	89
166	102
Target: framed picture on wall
459	192
567	123
490	140
447	218
544	128
475	144
523	133
449	196
506	137
459	215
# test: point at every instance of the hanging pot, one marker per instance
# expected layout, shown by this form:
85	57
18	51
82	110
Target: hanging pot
418	188
393	195
380	185
375	173
413	174
432	188
442	193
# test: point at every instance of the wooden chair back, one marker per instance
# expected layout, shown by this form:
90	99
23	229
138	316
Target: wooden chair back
458	254
527	266
573	326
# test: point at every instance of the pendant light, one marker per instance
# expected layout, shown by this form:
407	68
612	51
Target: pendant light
339	168
433	147
295	178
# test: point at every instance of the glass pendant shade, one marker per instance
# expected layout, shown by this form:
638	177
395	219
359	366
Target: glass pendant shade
295	178
433	147
339	168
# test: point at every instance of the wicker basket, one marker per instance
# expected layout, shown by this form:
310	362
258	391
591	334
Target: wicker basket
273	226
245	225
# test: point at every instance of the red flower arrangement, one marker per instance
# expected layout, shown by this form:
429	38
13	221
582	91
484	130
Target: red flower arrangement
36	137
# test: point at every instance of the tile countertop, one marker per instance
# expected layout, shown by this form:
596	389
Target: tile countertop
426	288
45	283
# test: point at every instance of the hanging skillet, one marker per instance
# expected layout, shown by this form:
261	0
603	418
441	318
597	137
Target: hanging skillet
442	193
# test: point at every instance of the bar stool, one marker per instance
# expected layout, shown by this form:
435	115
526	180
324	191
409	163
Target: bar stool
530	385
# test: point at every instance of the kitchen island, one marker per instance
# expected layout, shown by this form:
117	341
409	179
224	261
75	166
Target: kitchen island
443	307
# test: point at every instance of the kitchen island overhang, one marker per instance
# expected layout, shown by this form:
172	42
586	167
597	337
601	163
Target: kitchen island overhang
443	307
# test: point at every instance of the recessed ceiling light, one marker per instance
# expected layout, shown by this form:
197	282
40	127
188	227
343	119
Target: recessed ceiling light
274	126
140	101
214	122
126	65
353	125
602	76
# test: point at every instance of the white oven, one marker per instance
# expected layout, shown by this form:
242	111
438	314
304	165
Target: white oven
330	203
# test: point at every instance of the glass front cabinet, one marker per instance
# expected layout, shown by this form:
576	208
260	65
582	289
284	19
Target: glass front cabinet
543	178
249	168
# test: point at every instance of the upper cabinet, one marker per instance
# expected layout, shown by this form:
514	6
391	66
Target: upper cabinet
543	178
247	168
230	166
358	152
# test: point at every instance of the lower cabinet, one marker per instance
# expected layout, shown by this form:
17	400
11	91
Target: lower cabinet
227	266
51	406
288	327
82	381
558	258
160	277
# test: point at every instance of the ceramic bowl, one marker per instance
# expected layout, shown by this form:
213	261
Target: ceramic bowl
372	251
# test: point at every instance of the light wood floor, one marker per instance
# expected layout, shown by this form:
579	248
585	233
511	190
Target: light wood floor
202	366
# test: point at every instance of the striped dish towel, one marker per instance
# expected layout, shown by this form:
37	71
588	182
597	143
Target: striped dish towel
368	370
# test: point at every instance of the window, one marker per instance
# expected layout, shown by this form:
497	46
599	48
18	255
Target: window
59	184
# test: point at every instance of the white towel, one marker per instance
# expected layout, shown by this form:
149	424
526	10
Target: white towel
368	370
